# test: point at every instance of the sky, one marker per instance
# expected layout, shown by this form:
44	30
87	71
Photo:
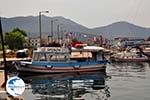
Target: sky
89	13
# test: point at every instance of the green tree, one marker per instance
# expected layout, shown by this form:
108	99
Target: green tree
74	40
15	39
19	30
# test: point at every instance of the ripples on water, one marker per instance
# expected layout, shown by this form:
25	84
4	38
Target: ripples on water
128	69
76	86
121	81
129	81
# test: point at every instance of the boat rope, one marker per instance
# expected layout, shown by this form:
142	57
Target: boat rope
141	51
12	67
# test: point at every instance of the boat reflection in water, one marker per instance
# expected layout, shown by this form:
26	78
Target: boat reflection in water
85	86
138	69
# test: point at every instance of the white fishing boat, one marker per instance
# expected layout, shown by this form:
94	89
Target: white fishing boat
132	55
46	60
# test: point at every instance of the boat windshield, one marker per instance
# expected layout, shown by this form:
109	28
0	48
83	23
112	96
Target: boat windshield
51	55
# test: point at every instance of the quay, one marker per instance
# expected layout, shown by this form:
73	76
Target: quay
3	93
10	60
1	80
15	59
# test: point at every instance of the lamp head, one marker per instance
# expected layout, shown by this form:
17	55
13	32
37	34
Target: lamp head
46	11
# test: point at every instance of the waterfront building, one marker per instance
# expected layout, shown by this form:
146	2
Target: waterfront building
35	41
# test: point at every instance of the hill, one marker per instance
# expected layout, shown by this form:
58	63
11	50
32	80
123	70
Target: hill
31	25
122	29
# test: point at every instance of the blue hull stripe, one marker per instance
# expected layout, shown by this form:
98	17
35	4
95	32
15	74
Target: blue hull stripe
64	64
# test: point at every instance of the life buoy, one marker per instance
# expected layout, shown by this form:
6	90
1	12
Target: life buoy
48	66
76	67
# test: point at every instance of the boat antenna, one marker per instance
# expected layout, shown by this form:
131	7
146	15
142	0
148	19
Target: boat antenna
4	54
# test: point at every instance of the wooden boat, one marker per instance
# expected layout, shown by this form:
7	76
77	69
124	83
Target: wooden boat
130	59
130	56
48	60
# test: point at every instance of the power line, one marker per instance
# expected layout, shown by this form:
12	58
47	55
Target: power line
138	9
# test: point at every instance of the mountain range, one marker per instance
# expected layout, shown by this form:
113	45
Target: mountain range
31	25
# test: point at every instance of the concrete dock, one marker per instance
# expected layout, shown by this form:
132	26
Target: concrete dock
3	94
1	79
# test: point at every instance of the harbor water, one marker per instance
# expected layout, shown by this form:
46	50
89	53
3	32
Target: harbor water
120	81
129	81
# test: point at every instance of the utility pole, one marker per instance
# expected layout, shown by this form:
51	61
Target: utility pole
4	54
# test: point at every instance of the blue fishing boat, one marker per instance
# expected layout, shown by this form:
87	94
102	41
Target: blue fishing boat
47	60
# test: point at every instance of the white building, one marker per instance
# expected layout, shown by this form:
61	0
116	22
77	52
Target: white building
34	42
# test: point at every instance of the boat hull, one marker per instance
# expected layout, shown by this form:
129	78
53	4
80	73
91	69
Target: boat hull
130	59
29	69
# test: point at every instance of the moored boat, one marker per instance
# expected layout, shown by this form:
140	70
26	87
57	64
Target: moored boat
132	55
46	60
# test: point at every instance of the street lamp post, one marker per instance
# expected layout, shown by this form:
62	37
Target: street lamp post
51	31
40	27
62	33
58	32
52	35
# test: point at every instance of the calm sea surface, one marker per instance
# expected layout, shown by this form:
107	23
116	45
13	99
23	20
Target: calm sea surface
121	81
129	81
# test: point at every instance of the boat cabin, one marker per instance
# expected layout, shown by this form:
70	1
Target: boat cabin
63	54
89	52
51	54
